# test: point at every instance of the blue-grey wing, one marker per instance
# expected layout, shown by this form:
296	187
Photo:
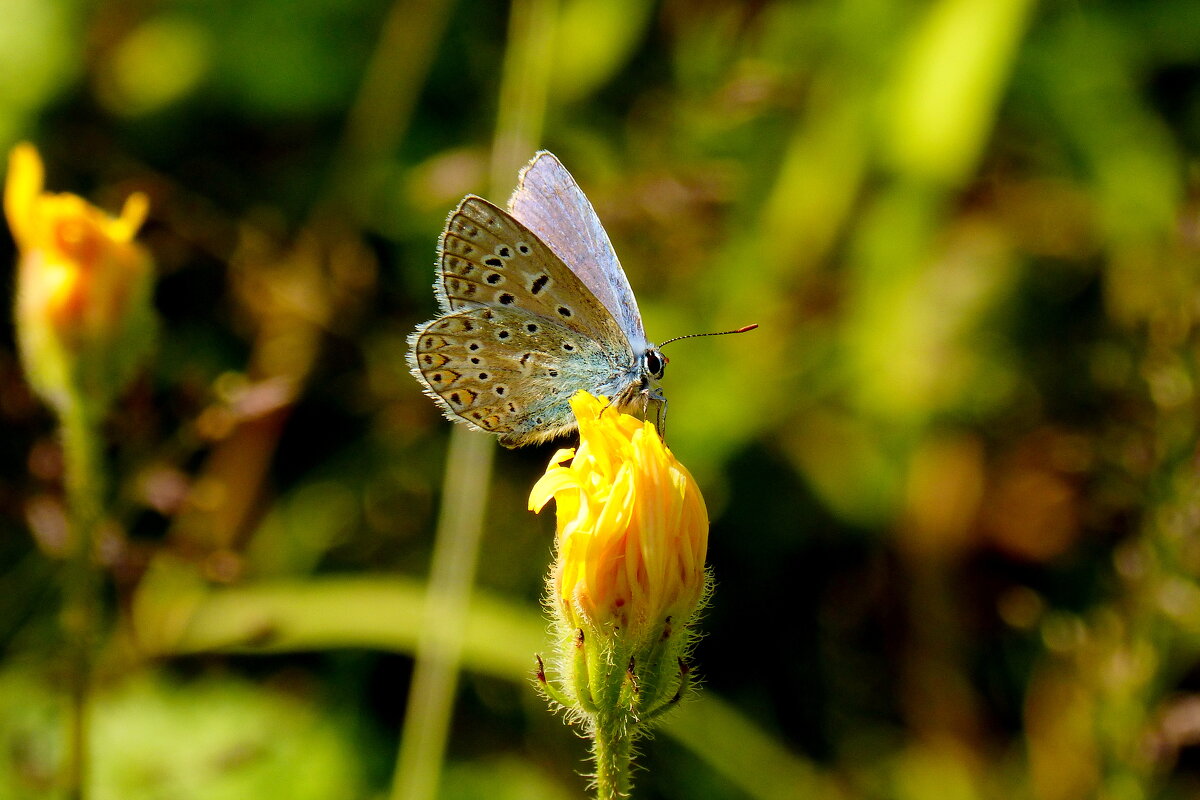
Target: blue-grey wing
550	203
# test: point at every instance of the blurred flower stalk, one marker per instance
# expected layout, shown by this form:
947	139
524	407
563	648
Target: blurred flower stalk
84	323
626	585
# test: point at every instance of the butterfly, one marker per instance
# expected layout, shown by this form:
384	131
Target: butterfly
535	307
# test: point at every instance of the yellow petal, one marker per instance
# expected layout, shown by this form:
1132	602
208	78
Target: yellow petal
25	180
133	214
556	479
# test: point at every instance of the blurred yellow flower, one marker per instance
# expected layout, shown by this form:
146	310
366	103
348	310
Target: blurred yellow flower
83	314
632	527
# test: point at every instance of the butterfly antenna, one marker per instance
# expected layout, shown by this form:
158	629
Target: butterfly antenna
742	329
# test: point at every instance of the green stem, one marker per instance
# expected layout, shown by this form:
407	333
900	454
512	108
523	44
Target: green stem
84	489
439	650
612	749
426	724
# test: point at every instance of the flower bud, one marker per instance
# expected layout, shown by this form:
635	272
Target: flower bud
629	572
83	311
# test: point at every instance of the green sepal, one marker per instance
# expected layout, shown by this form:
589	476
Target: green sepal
548	689
581	683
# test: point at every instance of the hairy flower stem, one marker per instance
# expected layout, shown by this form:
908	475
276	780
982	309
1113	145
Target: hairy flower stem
80	614
612	749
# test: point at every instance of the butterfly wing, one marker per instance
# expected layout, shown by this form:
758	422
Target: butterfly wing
487	257
509	372
520	332
549	202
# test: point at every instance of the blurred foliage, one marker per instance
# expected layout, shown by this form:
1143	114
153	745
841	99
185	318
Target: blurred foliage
219	738
952	476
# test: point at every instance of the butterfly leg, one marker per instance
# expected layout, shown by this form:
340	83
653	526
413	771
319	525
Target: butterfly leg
644	401
656	404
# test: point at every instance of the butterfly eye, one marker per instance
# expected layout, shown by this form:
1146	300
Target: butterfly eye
654	363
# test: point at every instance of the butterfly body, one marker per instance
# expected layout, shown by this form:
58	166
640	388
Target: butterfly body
535	307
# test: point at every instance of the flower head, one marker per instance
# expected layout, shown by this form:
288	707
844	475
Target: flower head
632	526
627	581
83	311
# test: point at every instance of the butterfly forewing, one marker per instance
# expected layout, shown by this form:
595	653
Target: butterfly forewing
550	203
489	258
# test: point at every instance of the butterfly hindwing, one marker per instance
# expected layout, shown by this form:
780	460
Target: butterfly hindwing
508	372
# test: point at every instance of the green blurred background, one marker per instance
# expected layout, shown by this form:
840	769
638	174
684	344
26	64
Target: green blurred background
952	477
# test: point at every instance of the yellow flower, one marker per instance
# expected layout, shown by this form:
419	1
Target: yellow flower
632	528
83	313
